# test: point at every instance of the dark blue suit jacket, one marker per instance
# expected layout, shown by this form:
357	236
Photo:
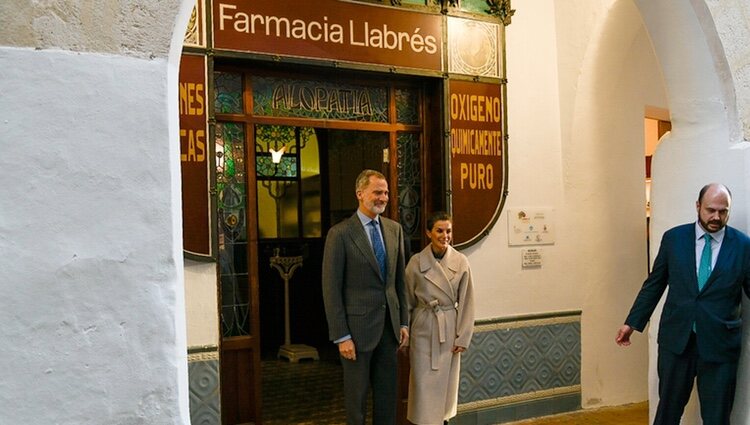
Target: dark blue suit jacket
715	310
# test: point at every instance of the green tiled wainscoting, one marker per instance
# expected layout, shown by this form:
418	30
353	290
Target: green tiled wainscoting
521	367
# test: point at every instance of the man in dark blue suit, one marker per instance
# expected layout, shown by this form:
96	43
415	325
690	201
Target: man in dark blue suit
706	265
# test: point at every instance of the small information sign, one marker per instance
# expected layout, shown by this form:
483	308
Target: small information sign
531	257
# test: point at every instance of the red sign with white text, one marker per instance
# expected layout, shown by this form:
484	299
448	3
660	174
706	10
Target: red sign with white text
330	29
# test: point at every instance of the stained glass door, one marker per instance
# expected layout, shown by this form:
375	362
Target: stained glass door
348	153
237	260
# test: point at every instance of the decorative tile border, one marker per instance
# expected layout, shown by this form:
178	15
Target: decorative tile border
203	375
203	357
520	398
473	47
195	35
522	360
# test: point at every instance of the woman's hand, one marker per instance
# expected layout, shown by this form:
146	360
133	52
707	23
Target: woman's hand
458	349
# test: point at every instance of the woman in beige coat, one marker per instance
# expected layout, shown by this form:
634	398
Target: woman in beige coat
439	293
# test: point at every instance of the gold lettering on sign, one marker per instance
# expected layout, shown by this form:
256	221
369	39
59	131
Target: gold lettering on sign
192	103
477	175
473	141
470	141
191	98
196	145
321	99
469	107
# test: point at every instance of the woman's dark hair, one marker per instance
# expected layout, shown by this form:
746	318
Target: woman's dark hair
435	217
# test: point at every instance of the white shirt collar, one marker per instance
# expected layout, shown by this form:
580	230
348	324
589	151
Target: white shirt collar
717	236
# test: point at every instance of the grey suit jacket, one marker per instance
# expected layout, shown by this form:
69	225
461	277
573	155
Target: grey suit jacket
354	293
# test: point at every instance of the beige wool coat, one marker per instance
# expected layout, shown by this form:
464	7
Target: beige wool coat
440	299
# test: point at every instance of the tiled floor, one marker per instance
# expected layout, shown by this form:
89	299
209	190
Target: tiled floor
631	414
310	393
304	393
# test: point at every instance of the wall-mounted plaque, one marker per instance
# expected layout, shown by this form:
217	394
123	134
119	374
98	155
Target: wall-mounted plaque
531	258
533	226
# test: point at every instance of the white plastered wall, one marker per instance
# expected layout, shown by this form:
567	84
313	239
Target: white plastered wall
201	304
89	216
590	168
580	76
605	204
90	231
702	146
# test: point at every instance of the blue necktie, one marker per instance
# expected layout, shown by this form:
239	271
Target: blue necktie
378	247
704	269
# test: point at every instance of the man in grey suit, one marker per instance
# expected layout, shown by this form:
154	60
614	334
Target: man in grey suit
365	301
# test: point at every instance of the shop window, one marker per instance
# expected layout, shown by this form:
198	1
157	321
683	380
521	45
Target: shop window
232	229
288	182
409	185
319	99
228	93
407	106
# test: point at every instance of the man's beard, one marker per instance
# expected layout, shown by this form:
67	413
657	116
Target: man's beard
378	209
706	224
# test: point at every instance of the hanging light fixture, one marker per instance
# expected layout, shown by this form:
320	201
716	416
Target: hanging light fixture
276	155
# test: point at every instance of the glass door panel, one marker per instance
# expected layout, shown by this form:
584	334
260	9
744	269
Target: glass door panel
350	152
288	181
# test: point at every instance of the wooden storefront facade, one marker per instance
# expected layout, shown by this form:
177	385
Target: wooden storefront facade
283	103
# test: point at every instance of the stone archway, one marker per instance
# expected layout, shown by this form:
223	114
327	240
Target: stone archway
608	89
700	149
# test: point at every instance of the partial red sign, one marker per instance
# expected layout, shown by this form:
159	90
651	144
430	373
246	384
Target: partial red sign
477	163
194	156
330	29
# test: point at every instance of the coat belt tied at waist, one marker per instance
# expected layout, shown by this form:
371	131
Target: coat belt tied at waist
439	311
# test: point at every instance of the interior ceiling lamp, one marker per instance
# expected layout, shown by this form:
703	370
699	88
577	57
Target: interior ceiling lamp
276	155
